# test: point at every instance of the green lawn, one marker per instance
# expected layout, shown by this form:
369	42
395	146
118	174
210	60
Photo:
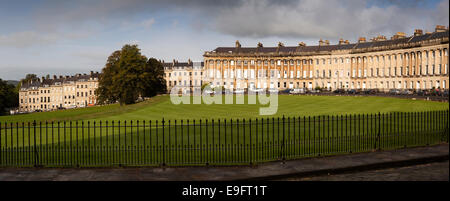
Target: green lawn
76	141
161	107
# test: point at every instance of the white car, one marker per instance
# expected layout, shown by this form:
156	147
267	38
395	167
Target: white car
273	90
256	90
239	91
209	92
297	91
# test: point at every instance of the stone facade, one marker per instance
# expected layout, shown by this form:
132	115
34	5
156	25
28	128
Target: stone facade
185	75
416	62
59	92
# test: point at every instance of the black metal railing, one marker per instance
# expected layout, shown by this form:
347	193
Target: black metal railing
213	142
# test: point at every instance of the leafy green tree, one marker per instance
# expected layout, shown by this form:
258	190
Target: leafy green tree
204	86
106	91
128	75
27	78
9	96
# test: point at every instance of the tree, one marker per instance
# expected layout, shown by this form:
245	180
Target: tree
128	75
106	92
157	82
9	97
27	79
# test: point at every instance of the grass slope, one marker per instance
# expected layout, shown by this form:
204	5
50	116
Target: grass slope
161	107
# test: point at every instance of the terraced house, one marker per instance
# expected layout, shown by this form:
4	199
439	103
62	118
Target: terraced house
412	62
185	75
59	92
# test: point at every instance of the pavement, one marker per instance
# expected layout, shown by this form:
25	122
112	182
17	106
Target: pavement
280	170
438	171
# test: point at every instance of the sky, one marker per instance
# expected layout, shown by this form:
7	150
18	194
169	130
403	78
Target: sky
67	37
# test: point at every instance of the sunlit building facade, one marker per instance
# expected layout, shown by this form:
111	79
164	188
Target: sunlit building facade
48	94
412	62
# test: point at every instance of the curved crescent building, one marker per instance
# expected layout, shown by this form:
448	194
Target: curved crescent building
403	62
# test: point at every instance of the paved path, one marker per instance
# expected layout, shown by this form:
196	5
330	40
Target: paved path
424	172
267	171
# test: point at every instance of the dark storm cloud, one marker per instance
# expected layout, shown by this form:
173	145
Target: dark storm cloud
330	19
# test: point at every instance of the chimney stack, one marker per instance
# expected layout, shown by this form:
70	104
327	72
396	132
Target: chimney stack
343	42
238	45
361	40
321	42
440	28
379	38
418	32
398	35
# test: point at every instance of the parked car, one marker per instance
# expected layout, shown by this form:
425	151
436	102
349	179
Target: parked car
273	90
406	92
394	91
339	91
314	91
239	91
421	92
352	91
297	91
436	92
285	91
209	92
256	90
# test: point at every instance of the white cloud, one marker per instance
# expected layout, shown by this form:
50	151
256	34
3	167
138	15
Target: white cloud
26	38
148	23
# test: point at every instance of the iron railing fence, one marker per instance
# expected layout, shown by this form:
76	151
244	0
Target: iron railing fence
213	142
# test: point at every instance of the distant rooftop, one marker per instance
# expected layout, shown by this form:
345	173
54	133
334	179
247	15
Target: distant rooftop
39	82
